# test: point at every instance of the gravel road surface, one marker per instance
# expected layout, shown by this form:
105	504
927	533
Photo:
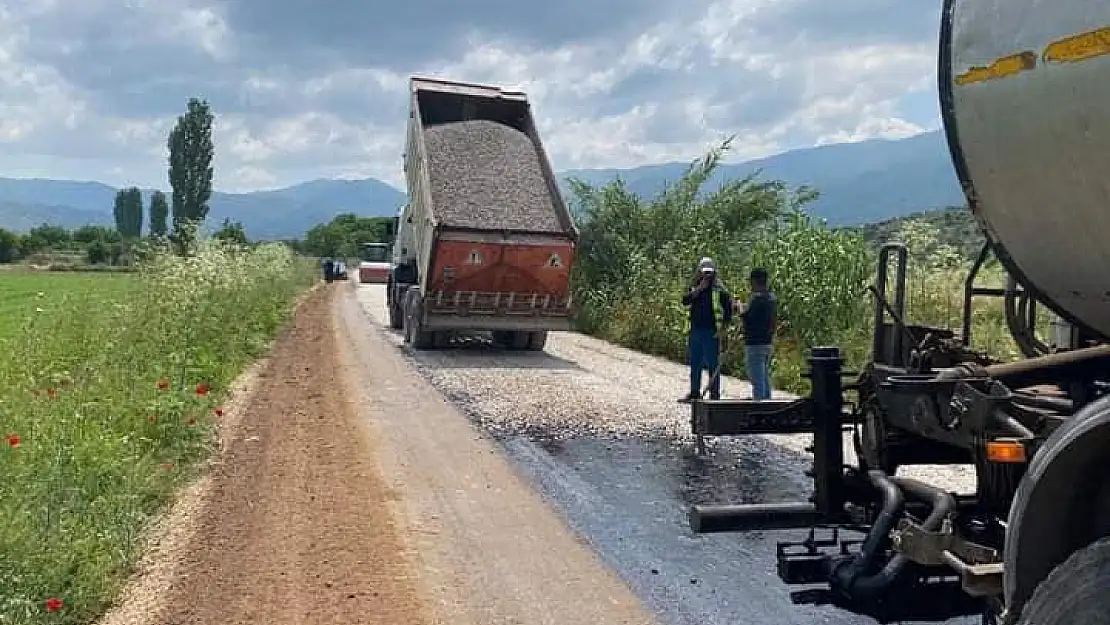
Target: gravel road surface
597	429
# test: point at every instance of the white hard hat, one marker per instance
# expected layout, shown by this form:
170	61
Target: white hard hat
706	265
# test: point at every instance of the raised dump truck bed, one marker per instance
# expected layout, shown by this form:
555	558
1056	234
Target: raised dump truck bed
486	241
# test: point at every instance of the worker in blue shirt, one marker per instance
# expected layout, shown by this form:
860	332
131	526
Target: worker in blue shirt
710	311
759	333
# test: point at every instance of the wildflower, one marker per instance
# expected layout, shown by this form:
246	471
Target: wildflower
151	418
219	412
13	439
54	604
191	422
202	389
52	393
163	384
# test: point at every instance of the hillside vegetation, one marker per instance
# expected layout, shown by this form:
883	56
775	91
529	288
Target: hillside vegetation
954	227
637	258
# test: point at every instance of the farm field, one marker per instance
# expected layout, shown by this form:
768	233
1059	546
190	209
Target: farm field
20	293
110	389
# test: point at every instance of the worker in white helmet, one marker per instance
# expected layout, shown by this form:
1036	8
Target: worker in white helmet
710	311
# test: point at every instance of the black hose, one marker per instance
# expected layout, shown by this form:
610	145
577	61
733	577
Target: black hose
846	574
852	576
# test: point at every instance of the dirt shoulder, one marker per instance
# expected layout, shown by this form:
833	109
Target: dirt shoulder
347	490
293	525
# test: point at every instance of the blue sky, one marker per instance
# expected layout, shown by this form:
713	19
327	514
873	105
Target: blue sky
307	89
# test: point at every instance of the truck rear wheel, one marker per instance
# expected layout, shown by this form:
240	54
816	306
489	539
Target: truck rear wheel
415	335
396	319
1075	591
537	341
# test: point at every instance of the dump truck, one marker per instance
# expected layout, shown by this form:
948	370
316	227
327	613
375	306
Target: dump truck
1024	88
485	241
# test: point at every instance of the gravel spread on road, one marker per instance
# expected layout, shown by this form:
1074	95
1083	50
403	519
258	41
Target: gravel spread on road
583	386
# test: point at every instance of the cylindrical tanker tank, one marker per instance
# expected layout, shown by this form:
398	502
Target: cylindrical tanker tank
1025	99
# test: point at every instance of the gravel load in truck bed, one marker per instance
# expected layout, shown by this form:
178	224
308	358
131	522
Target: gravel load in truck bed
487	175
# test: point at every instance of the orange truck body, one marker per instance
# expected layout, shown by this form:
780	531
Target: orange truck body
493	280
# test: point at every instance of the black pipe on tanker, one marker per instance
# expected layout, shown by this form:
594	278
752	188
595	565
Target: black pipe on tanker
1033	371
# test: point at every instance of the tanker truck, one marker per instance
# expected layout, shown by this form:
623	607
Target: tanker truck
485	242
1025	102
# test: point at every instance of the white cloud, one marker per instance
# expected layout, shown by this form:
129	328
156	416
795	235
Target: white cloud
663	83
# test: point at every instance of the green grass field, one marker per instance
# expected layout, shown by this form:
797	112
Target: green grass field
23	292
109	388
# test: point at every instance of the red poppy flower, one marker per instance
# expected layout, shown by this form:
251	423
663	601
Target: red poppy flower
202	389
219	412
191	422
54	604
163	384
151	418
13	439
52	393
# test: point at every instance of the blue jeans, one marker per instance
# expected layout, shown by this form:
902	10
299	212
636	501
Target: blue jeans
758	359
704	354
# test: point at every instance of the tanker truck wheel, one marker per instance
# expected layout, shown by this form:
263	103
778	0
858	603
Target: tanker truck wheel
1075	592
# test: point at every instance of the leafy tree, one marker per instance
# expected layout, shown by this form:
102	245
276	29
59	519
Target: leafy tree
345	233
190	170
44	237
86	235
98	252
324	240
159	214
232	232
9	246
129	212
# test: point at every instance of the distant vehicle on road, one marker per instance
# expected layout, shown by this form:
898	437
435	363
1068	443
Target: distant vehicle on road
334	269
374	267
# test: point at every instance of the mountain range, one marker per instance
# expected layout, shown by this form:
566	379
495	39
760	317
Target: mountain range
859	183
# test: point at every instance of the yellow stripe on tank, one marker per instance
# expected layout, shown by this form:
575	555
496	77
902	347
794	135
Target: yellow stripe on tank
1077	48
1003	67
